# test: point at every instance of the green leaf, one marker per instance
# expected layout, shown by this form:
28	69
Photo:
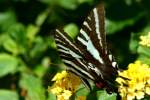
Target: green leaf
85	1
113	26
144	59
51	96
10	45
40	71
103	95
8	95
39	47
17	33
70	4
32	30
134	43
33	85
144	50
51	42
82	91
72	30
41	18
8	64
7	19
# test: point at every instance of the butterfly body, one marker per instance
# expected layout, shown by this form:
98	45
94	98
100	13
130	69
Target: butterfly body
88	56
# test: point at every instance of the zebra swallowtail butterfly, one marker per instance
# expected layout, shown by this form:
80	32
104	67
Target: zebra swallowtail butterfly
87	56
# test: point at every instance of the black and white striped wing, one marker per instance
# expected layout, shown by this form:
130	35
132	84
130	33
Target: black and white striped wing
71	54
88	57
93	29
93	37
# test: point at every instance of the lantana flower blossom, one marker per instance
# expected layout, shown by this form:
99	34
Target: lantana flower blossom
136	83
65	85
145	40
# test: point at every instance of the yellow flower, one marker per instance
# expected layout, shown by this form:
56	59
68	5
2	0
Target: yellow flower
67	94
137	83
65	85
145	40
130	96
56	90
147	90
59	76
139	94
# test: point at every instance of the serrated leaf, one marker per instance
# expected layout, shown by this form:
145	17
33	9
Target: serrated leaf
103	95
8	95
33	85
8	64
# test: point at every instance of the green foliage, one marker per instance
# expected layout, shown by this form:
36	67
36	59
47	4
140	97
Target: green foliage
33	85
8	95
102	95
8	64
28	56
72	30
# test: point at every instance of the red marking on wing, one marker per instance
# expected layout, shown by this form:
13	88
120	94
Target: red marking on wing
100	85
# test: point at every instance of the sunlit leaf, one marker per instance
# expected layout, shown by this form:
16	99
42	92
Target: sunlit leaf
82	91
103	95
41	18
144	50
70	4
51	96
8	64
33	86
32	30
72	30
8	95
10	45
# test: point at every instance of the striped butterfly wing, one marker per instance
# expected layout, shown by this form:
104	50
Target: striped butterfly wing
88	57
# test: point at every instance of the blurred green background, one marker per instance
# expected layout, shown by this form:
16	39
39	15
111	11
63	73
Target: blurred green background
28	55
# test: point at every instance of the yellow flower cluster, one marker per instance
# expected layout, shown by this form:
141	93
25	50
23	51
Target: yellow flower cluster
137	84
145	40
65	85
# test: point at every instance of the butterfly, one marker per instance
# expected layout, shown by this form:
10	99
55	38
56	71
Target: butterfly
88	56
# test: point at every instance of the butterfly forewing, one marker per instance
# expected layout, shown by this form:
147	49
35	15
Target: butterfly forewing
93	29
88	57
